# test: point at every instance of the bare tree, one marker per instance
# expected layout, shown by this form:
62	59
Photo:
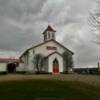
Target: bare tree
94	23
38	62
68	61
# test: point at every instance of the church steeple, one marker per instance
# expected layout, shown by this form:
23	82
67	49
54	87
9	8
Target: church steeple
49	33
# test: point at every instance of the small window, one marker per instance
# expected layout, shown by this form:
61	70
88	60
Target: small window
33	51
49	35
45	37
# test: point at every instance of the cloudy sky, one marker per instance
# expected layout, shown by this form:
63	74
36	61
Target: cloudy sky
23	21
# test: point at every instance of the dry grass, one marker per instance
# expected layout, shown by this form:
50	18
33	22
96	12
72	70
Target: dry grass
89	79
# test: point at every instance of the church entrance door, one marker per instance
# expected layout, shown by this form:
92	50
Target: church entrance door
55	66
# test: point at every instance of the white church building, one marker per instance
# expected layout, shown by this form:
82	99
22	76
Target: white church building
50	49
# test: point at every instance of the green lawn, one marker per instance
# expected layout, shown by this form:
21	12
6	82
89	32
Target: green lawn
48	90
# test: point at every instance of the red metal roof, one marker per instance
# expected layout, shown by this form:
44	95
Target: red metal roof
9	60
49	28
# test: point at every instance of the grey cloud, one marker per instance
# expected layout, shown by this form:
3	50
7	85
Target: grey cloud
23	21
15	30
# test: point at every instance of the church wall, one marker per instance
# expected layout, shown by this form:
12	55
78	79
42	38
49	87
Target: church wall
30	61
27	64
51	59
20	68
23	66
45	67
43	50
3	67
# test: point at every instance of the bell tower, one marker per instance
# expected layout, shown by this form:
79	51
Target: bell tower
49	33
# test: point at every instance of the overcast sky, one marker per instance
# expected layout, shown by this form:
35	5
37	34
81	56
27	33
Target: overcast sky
23	21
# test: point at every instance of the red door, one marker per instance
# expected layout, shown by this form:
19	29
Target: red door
55	66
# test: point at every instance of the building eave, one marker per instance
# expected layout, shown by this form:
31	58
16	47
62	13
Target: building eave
44	43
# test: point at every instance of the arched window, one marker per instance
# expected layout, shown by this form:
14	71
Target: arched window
55	62
55	66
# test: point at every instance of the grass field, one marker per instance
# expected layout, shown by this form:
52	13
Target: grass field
47	89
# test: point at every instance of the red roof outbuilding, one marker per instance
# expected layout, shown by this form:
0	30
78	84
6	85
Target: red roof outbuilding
9	60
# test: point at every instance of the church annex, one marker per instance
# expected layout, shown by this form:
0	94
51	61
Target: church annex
46	56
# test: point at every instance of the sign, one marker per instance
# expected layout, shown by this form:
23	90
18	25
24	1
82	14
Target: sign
51	48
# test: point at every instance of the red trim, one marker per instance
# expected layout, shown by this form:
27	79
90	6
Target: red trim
9	60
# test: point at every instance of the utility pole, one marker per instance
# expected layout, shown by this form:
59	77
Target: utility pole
98	65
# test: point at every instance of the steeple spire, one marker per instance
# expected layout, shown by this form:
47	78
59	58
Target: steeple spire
49	33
